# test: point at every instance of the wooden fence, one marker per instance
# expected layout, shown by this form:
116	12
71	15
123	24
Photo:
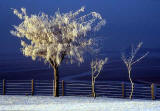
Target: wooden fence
79	88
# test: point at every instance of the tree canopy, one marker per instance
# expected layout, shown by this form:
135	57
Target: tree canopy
55	37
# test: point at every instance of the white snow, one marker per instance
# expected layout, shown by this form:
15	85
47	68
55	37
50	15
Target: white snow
68	103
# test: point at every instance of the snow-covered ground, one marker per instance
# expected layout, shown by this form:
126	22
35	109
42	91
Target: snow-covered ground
49	103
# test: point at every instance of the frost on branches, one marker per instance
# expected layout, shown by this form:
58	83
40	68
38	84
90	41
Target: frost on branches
56	37
96	67
130	60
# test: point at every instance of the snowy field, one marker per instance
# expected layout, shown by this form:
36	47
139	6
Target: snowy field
49	103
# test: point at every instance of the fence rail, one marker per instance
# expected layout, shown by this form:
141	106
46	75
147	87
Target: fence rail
76	88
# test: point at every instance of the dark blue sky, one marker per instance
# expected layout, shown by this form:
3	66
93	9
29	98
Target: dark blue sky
128	21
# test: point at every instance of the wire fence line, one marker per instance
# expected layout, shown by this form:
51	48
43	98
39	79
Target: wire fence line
112	89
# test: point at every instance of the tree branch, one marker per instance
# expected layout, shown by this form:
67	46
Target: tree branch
52	63
97	75
140	58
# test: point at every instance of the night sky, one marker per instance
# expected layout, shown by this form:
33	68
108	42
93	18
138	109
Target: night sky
128	22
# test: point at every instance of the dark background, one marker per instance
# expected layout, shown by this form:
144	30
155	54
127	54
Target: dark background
128	22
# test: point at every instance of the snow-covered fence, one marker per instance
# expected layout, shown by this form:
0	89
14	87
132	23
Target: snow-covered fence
17	87
43	87
112	89
140	90
1	87
153	91
123	90
77	88
32	92
62	87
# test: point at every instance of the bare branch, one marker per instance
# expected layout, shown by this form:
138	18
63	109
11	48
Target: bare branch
129	61
97	75
140	58
134	51
97	66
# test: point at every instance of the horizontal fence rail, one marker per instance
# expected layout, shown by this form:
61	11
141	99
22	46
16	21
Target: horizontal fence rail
79	88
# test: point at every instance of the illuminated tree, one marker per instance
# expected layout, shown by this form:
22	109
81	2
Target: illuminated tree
58	37
130	60
96	67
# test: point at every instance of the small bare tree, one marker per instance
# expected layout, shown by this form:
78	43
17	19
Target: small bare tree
130	60
96	67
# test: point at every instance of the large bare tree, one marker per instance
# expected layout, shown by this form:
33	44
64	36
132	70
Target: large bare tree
58	37
130	60
96	67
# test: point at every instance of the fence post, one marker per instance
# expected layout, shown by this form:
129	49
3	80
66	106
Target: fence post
153	91
4	86
123	90
32	81
62	87
53	87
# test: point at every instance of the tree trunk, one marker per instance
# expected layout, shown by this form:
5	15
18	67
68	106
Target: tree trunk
56	82
93	87
132	86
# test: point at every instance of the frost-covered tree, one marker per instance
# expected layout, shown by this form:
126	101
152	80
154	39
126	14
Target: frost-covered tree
58	37
130	60
96	67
